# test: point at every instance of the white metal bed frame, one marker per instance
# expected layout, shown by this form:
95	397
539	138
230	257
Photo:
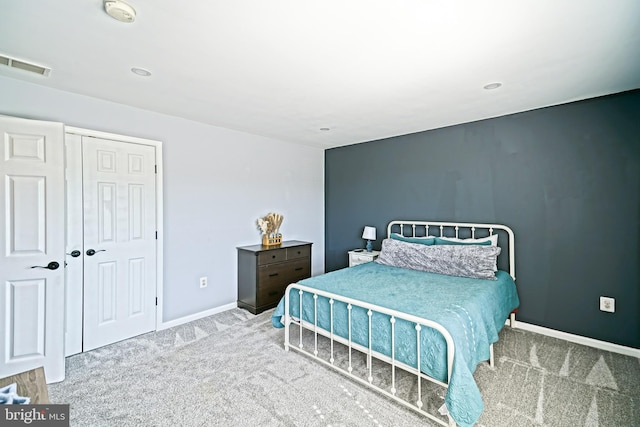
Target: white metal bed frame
446	229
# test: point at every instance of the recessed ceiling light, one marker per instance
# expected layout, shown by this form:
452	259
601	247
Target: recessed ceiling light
492	86
325	129
141	72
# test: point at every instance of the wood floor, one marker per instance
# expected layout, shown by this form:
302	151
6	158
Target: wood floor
30	384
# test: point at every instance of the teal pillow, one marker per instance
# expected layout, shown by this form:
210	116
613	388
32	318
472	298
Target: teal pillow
439	241
420	240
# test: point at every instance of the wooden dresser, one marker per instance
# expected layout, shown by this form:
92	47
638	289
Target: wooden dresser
265	272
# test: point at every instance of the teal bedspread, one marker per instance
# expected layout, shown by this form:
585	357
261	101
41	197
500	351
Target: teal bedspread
472	310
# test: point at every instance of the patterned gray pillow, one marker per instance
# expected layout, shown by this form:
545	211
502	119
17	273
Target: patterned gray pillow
474	261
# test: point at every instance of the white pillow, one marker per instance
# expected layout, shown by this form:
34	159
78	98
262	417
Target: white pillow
493	239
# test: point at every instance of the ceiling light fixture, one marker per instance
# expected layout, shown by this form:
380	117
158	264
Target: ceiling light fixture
120	10
492	86
141	72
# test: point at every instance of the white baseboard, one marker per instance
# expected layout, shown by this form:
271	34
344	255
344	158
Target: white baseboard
578	339
196	316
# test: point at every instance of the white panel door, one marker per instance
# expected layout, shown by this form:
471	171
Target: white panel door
32	254
119	240
74	231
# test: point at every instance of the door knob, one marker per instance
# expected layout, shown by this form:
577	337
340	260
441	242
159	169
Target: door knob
51	266
92	252
75	253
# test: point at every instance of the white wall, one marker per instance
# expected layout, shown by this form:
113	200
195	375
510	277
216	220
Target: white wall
217	182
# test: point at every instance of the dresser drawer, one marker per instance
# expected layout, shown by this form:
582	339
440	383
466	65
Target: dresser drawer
274	279
271	295
359	259
300	269
287	272
271	256
299	252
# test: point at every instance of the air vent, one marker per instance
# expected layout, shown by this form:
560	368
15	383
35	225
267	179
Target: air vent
24	65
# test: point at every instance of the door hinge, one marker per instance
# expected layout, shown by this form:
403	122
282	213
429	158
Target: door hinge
156	300
156	235
156	168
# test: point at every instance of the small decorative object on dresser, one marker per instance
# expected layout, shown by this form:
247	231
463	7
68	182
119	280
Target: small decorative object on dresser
265	272
360	256
270	227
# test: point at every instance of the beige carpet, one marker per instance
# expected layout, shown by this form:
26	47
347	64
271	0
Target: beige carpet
230	369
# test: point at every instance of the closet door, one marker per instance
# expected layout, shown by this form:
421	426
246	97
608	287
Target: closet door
119	240
32	225
74	273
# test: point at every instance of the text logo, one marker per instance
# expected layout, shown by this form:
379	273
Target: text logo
35	415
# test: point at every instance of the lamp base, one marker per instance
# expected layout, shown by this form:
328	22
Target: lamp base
369	248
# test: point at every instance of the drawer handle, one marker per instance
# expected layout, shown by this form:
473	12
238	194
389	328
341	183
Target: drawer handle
272	293
299	268
299	252
273	274
273	256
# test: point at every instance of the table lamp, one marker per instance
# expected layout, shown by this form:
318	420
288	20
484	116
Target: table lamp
369	234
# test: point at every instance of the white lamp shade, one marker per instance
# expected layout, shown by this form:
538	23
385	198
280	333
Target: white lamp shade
369	233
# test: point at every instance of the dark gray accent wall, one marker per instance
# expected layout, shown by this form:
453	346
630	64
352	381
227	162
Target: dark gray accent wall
566	179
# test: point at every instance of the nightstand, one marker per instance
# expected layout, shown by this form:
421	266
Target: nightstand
360	256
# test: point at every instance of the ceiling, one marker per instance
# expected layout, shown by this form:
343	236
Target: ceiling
363	69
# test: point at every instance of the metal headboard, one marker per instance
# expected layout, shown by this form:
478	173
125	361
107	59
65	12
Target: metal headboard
456	229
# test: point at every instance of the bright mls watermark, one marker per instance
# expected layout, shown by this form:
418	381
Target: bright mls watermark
35	415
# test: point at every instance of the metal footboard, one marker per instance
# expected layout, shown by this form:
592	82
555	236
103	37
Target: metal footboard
366	379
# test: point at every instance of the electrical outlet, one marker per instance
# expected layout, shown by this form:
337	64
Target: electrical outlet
203	282
608	304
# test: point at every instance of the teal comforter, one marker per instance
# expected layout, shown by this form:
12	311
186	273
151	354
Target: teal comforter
472	310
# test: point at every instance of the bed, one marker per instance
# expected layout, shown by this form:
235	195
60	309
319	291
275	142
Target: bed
422	316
